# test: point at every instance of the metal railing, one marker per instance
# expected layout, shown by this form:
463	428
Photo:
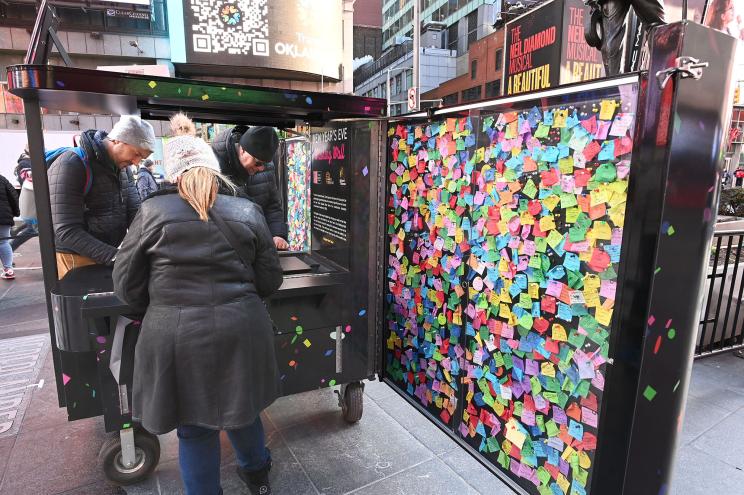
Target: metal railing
722	315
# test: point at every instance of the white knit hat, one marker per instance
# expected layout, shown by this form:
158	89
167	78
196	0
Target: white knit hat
134	131
185	152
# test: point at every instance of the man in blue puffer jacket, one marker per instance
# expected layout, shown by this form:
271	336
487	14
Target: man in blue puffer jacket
245	156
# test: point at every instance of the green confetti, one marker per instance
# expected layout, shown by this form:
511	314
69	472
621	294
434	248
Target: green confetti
670	230
649	393
675	386
126	425
671	333
298	329
658	269
331	383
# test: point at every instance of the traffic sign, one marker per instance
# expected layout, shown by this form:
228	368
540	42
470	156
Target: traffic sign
411	98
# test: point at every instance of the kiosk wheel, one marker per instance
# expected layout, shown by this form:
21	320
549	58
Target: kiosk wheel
352	402
146	457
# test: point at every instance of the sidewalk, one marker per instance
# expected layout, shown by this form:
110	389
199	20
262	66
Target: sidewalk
392	450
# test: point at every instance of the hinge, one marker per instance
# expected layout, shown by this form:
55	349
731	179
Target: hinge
685	66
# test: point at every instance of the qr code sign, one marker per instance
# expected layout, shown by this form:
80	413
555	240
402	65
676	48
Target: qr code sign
239	27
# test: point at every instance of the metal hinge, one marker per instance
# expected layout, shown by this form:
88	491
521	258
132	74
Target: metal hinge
685	67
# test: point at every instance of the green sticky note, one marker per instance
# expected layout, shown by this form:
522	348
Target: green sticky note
606	172
543	475
542	131
649	393
554	239
552	428
530	189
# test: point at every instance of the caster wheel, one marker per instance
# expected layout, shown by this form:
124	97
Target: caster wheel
352	405
147	455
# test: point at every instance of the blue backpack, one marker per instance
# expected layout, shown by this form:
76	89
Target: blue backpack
52	155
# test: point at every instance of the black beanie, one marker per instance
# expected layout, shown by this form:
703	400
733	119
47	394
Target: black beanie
260	142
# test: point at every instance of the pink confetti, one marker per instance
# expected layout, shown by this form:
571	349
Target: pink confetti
65	379
348	329
669	323
651	320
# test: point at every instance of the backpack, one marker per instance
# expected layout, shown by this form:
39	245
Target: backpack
51	155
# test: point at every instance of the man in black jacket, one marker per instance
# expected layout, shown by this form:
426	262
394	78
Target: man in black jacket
8	211
89	226
245	156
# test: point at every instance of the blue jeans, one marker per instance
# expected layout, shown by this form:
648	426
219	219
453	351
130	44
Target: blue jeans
199	455
6	253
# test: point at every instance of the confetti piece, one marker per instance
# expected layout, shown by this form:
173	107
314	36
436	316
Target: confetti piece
298	329
331	383
328	352
365	171
292	364
309	100
658	269
65	379
205	97
651	320
293	318
152	84
649	393
668	323
362	312
126	425
671	333
657	345
676	385
101	339
670	230
347	329
307	343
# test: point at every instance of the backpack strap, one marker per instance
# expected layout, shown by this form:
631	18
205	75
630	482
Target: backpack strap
86	164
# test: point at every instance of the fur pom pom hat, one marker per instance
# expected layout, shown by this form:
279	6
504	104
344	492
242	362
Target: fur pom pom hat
186	151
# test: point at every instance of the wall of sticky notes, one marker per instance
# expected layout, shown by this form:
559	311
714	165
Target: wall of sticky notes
504	235
298	194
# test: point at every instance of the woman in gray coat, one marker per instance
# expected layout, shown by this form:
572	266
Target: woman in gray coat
205	359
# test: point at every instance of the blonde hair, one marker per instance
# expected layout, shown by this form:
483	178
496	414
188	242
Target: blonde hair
182	125
198	186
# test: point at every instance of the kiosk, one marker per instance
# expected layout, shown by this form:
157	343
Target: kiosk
526	270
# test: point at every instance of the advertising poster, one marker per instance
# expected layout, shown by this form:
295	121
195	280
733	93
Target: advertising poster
329	193
579	61
533	49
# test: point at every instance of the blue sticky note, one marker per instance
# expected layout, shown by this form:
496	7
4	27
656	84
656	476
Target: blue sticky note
564	312
572	120
576	430
614	252
571	262
557	272
548	118
551	154
607	152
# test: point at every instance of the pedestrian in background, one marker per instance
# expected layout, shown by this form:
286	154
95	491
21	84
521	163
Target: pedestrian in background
196	262
146	183
26	200
90	224
8	211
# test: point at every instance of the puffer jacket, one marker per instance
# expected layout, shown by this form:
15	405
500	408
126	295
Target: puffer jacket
92	225
146	183
8	202
205	353
260	188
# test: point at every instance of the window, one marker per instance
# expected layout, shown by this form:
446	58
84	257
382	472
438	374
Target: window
474	93
452	37
493	88
473	69
383	88
409	78
450	99
472	27
398	84
499	58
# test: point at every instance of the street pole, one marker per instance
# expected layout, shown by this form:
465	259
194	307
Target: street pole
416	44
387	91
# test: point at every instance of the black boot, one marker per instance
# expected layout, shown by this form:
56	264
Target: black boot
257	481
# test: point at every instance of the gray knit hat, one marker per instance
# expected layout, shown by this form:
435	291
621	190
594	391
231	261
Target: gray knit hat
133	130
185	152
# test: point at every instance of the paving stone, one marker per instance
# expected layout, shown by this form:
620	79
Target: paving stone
699	417
54	460
6	446
339	457
301	408
725	440
99	488
43	411
377	390
698	473
432	477
477	476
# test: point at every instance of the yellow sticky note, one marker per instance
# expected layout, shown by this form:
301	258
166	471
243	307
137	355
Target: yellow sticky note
526	219
566	165
592	298
607	109
534	290
547	223
572	214
601	230
551	202
547	369
603	316
563	482
513	434
592	281
559	333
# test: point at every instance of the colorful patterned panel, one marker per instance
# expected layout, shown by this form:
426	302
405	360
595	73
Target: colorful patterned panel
298	194
429	185
516	220
548	211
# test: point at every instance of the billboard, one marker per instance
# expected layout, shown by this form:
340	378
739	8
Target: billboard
533	50
297	35
546	47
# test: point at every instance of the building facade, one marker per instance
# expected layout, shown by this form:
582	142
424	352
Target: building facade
484	75
368	29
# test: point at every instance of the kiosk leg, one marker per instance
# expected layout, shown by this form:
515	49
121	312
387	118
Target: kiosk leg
129	456
351	401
